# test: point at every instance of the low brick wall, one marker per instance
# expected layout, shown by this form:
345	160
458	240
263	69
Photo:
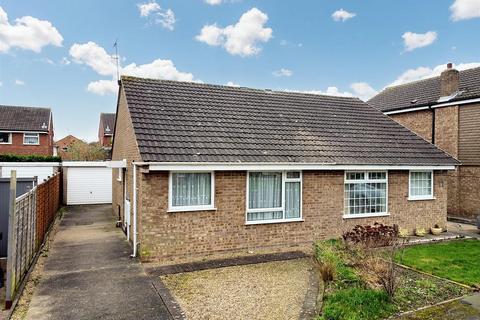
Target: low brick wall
187	236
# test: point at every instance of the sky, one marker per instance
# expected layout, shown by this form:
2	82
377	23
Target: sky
60	54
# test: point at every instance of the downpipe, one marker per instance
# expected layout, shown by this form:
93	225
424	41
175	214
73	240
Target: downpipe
134	254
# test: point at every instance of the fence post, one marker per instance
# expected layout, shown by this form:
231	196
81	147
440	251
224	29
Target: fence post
12	239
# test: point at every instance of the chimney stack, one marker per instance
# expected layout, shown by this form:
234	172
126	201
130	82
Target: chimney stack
449	81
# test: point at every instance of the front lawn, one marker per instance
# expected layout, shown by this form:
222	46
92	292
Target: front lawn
457	260
352	296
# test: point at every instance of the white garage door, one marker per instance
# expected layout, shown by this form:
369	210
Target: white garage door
89	185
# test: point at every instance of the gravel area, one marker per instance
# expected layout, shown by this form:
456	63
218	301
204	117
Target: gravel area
273	290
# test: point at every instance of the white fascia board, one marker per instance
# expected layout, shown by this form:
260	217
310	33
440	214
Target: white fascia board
406	110
117	163
84	164
29	164
157	166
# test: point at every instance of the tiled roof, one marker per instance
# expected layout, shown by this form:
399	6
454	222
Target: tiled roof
16	118
108	120
192	122
425	92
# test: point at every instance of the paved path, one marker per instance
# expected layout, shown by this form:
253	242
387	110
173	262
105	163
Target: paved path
89	275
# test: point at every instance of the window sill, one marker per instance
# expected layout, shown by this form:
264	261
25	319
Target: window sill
273	221
421	198
365	215
31	144
184	209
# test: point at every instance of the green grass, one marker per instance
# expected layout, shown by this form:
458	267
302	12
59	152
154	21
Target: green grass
357	304
455	260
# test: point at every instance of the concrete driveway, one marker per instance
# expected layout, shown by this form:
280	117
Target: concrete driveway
88	273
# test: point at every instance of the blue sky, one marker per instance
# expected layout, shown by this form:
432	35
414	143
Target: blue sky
58	53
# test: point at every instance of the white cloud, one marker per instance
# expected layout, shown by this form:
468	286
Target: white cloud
19	82
148	8
102	63
157	15
363	90
342	15
93	56
331	91
421	73
232	84
283	73
65	61
213	2
414	41
241	38
283	42
465	9
27	33
103	87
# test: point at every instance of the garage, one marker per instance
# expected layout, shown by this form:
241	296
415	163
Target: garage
88	182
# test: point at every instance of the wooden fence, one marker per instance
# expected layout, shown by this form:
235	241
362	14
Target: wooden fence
30	217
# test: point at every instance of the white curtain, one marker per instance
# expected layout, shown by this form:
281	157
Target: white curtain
292	200
265	190
191	189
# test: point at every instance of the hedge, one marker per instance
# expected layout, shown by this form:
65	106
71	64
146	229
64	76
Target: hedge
29	158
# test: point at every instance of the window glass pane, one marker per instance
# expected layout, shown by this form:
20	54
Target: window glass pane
292	200
420	184
293	175
4	137
258	216
365	198
355	175
265	190
30	138
191	189
377	175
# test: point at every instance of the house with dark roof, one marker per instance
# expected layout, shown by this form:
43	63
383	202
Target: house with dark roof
445	111
213	170
26	130
64	145
106	128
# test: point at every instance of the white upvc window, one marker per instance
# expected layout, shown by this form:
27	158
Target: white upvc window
31	138
274	196
420	185
366	194
191	191
5	138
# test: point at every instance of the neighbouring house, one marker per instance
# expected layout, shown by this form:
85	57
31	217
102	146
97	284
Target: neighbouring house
106	128
445	111
63	146
212	170
26	130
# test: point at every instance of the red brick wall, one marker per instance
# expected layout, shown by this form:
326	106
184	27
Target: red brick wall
45	147
184	236
420	122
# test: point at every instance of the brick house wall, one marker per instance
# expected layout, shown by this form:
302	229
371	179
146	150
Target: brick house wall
420	122
44	148
186	236
125	147
464	182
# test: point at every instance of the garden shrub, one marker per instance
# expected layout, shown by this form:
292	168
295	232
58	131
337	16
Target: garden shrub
28	158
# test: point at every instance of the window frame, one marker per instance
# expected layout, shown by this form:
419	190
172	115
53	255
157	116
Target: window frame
31	133
416	198
282	208
365	180
208	207
10	137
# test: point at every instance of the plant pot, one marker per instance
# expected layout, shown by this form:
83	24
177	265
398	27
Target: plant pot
436	231
420	232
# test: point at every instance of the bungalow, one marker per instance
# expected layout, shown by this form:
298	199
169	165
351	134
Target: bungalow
213	170
445	111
